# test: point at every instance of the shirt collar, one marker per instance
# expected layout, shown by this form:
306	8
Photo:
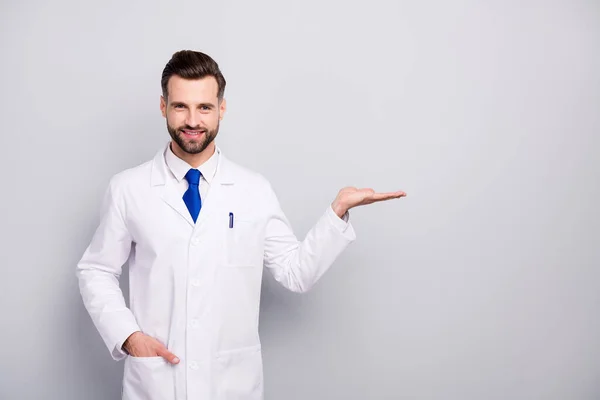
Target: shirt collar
179	168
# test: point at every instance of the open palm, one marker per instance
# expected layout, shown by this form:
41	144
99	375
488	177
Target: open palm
350	197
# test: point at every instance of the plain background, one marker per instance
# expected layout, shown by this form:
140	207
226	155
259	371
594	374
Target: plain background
484	283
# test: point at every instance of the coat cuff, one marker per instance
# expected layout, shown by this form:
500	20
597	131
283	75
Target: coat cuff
341	224
120	335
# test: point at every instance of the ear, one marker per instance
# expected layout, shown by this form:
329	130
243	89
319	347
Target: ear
163	106
222	108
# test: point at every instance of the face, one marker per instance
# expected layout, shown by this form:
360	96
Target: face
193	112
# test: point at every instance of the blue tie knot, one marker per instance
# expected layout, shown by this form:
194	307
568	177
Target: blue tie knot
193	176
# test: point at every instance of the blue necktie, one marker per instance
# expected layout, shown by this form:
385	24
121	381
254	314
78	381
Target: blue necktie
192	196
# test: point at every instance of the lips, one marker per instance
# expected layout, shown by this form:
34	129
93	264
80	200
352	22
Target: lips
192	134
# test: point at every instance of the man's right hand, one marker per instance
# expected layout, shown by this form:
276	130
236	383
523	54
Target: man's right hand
140	345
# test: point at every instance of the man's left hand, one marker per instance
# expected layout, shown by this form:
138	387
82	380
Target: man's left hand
350	197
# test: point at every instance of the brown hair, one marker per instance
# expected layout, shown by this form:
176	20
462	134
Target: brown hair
190	64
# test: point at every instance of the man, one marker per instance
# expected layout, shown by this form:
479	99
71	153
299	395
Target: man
197	230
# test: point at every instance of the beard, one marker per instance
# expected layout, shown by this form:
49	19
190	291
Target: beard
193	146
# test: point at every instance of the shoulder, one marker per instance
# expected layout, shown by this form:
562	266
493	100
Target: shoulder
245	176
131	178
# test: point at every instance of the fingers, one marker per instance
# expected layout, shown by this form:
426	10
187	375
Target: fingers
167	355
395	195
387	196
140	345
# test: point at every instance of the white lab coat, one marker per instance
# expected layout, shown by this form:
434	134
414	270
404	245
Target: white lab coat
196	287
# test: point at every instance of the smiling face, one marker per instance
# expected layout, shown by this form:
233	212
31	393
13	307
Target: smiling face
193	113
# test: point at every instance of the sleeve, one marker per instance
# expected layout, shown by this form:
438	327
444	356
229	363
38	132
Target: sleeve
298	265
98	273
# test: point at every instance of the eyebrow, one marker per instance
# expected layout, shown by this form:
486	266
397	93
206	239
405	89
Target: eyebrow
178	103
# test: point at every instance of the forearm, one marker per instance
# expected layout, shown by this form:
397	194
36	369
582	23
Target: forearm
298	265
105	303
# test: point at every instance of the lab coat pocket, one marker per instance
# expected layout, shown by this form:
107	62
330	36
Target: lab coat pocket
240	374
242	243
148	378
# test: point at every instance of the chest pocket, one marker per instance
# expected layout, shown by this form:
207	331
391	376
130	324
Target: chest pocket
243	241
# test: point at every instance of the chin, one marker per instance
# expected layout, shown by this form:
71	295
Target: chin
195	148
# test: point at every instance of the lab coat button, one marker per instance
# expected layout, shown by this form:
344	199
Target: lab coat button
195	323
196	282
195	241
194	365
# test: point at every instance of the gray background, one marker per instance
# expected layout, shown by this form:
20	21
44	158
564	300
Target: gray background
482	284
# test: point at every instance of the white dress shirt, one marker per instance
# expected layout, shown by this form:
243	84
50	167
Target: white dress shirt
179	168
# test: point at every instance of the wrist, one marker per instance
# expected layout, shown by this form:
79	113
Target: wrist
127	342
338	208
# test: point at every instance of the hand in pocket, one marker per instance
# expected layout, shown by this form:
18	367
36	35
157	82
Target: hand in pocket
140	345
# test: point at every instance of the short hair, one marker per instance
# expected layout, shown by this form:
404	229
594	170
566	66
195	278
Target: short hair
190	64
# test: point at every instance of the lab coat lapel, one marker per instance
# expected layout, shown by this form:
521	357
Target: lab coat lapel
223	177
172	197
162	181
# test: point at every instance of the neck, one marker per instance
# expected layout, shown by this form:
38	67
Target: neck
194	160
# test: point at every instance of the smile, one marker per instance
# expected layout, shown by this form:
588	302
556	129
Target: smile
192	133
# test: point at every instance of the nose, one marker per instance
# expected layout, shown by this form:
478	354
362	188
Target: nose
191	119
